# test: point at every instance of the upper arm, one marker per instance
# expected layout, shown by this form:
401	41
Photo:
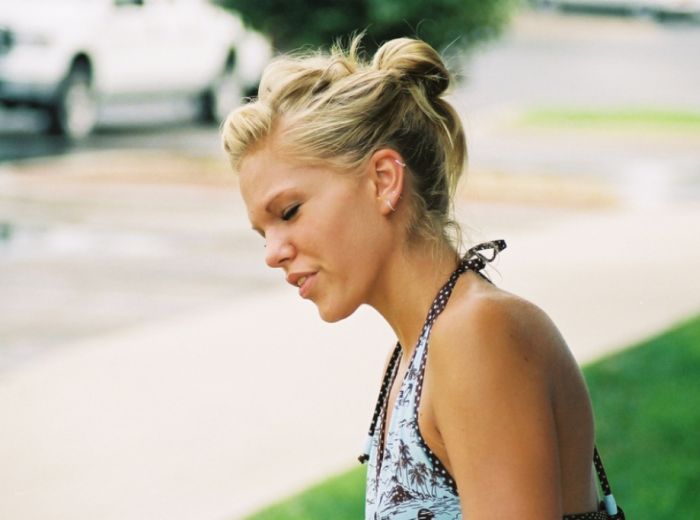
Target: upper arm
490	377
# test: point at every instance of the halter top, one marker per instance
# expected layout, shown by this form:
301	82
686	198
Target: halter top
405	479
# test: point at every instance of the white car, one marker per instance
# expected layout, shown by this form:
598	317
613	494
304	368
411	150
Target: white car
68	56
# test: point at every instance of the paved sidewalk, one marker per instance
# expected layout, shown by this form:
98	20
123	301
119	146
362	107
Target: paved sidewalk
212	416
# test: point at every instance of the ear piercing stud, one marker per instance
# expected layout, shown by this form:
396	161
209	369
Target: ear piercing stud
388	201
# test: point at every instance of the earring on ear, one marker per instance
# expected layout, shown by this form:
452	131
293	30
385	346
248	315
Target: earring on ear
388	202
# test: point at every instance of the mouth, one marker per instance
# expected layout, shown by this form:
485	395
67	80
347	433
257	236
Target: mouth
305	283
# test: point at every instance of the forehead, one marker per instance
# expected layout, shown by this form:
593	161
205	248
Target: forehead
268	178
259	171
264	173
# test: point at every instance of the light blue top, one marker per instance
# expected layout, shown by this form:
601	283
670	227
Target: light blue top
407	481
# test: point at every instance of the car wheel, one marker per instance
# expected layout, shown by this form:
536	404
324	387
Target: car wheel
224	94
74	113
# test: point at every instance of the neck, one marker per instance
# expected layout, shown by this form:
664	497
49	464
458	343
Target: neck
407	287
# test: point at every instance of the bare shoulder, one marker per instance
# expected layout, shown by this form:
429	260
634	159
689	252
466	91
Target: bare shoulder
510	410
494	328
491	379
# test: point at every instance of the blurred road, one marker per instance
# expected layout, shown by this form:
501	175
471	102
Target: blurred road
552	59
549	60
94	242
163	125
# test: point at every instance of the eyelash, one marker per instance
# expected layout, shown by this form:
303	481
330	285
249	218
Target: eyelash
289	213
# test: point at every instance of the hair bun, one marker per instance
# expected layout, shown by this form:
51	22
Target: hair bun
416	61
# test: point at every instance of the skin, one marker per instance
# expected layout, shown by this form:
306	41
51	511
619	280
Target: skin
504	405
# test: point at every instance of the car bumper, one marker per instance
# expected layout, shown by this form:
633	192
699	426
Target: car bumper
30	76
31	94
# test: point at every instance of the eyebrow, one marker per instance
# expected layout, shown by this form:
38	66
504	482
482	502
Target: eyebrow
272	199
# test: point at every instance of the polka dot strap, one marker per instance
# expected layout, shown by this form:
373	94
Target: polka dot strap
380	401
611	506
608	508
475	260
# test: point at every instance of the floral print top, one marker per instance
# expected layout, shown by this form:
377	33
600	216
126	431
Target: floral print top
407	481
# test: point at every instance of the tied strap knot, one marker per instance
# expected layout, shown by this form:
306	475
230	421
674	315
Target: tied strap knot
476	259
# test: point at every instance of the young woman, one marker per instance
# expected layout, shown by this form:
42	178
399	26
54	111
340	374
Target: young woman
347	170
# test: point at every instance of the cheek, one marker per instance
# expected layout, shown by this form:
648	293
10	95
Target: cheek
360	245
352	258
356	229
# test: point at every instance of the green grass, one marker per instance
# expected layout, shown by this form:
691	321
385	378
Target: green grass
338	498
630	118
647	404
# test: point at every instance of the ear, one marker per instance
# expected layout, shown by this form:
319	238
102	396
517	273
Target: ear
387	172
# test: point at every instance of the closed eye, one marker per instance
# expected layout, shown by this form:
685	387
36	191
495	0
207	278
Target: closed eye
289	213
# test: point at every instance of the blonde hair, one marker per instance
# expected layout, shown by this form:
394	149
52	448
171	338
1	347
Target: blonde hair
338	109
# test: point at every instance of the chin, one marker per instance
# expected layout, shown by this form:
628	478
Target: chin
335	314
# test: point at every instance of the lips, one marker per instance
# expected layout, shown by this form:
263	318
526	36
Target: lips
303	280
305	284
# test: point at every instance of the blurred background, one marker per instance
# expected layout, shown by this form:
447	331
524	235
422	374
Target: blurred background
152	367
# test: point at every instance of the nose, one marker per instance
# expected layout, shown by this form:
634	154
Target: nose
278	250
